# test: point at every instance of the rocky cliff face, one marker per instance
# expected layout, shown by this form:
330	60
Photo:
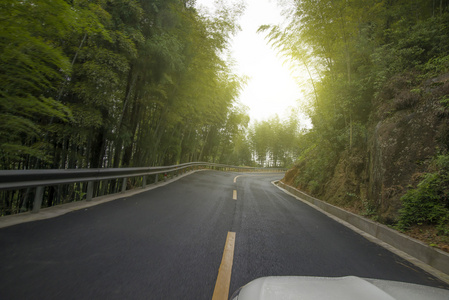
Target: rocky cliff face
407	127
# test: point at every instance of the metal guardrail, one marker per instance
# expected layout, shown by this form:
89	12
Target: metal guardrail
39	179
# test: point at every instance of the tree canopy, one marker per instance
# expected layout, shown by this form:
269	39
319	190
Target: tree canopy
350	49
116	83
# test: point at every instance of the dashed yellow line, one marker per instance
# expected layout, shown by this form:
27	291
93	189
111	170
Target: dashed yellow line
221	291
234	195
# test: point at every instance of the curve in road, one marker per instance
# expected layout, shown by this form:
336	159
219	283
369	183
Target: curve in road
167	243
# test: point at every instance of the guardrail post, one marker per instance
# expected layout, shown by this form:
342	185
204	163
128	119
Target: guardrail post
38	199
144	181
124	184
157	178
90	190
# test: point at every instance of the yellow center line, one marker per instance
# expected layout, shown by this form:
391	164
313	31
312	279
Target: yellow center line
221	290
234	195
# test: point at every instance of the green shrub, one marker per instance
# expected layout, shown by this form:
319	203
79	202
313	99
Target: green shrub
428	203
436	66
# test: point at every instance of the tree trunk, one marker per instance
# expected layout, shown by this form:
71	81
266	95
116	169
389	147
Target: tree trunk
97	149
134	121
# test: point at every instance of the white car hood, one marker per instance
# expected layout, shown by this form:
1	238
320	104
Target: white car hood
335	288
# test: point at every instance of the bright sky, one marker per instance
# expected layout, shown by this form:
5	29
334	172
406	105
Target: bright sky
271	89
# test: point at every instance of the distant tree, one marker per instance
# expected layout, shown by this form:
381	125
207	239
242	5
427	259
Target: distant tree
274	142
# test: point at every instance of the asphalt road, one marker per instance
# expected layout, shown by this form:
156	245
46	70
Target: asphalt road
168	243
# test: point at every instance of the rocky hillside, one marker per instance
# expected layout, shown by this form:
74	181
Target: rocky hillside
408	127
379	104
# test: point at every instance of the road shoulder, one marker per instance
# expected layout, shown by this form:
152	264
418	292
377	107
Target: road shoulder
422	265
62	209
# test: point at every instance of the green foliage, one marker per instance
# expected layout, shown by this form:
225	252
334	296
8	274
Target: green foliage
445	101
436	65
428	203
369	209
317	168
31	64
275	143
351	50
117	83
422	45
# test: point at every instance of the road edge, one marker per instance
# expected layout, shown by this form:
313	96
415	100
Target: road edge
392	240
62	209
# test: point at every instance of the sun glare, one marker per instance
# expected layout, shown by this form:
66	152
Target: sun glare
270	89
